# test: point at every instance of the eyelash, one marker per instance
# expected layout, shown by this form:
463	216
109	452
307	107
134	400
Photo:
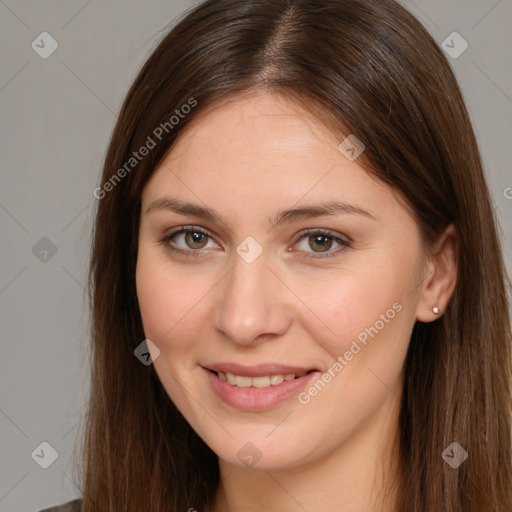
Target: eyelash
303	234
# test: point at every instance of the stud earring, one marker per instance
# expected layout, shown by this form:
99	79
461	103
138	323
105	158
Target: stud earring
436	310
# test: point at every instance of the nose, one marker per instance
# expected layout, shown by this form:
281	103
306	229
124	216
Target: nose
252	304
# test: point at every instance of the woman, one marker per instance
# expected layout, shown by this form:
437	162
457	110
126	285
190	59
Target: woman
294	227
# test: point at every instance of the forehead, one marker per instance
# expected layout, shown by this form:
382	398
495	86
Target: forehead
255	126
255	133
262	153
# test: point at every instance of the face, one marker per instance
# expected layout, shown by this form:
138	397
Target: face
246	280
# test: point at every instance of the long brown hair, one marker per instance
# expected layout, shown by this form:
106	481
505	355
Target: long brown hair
366	67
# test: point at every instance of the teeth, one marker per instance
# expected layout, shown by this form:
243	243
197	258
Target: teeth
276	379
257	382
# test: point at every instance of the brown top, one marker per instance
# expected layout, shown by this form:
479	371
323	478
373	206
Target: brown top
70	506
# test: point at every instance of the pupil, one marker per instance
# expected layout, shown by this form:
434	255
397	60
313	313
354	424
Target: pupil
322	238
195	238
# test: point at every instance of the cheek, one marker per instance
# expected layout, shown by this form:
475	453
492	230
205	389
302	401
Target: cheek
365	312
169	302
371	318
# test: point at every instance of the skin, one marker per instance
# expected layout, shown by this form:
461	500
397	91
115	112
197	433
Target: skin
248	159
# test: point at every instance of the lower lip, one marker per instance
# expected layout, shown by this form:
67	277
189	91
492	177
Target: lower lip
257	399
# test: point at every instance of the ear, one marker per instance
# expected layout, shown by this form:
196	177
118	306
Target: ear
441	271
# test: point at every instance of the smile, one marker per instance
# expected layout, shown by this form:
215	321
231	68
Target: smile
264	381
266	388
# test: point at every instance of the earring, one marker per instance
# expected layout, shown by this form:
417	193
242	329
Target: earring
436	310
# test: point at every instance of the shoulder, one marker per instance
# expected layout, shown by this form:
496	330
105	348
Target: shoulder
70	506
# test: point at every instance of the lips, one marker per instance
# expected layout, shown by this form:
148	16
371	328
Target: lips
250	391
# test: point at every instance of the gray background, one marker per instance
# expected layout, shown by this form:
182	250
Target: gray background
56	118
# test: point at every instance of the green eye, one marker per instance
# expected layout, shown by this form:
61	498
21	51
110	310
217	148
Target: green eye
318	242
321	241
195	239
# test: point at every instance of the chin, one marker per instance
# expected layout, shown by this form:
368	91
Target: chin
260	454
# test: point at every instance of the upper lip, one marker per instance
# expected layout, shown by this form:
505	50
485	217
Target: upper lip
258	370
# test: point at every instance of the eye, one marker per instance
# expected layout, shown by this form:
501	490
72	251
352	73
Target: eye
321	241
192	237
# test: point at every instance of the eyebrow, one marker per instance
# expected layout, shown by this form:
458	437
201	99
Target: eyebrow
330	208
